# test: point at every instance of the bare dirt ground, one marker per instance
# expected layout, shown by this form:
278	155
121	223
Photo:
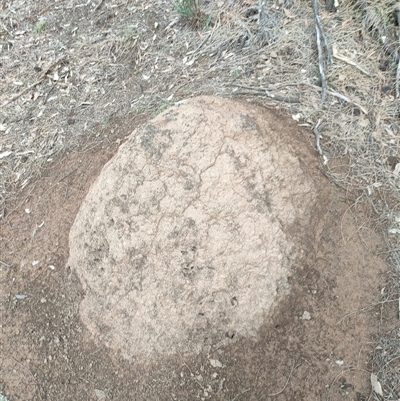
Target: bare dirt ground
76	79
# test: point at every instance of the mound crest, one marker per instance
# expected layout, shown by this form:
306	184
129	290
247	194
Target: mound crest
185	239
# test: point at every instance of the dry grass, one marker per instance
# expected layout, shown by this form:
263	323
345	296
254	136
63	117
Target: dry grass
69	66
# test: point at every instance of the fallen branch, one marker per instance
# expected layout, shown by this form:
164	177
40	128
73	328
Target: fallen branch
318	137
208	36
39	81
278	98
261	89
266	92
261	11
320	35
348	100
398	54
333	180
343	97
347	60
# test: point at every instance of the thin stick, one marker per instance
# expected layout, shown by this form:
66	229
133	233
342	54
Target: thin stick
279	98
239	395
67	175
318	137
324	40
348	61
261	89
261	11
266	92
39	81
334	380
372	305
333	180
318	30
398	55
201	44
344	98
5	264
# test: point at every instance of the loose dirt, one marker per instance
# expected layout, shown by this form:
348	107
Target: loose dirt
315	344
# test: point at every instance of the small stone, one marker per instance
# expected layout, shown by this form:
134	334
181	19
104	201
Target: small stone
215	363
100	394
306	316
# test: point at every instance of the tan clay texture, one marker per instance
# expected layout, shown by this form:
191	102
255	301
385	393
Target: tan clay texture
183	242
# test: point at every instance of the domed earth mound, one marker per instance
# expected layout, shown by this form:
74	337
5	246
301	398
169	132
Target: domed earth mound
186	239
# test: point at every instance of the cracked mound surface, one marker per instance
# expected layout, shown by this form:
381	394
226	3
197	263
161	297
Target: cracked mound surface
184	240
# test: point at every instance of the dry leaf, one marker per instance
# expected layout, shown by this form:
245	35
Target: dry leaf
346	22
288	13
376	386
5	154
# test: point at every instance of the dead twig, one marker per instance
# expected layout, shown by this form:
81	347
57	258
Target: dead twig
332	180
346	60
39	81
398	53
279	98
99	5
67	175
372	305
208	36
323	36
320	35
343	97
239	395
318	136
5	264
261	11
348	100
261	89
265	92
